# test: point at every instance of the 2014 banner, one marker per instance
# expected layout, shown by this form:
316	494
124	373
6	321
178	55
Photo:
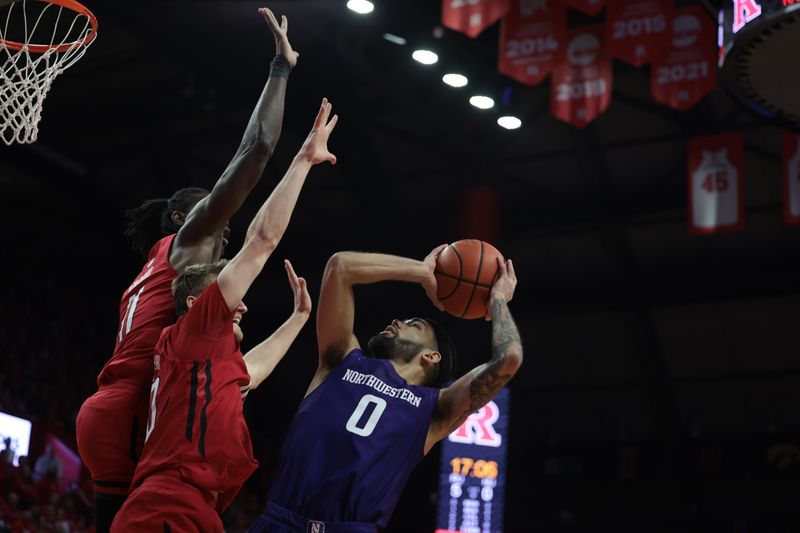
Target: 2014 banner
638	31
716	183
530	37
791	177
580	88
688	70
472	16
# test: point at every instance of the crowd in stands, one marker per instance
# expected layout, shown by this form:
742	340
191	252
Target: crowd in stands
54	338
31	500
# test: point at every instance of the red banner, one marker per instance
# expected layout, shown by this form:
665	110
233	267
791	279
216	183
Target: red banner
688	69
791	177
472	16
638	31
590	7
530	36
716	183
580	88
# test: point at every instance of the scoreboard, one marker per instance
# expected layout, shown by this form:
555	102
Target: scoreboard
472	476
758	43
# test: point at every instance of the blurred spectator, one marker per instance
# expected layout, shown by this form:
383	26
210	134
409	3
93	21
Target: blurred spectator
7	455
47	465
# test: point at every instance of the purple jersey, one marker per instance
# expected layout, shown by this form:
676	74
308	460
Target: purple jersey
353	443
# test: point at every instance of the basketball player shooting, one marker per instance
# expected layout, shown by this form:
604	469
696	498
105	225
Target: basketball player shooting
190	227
197	451
368	418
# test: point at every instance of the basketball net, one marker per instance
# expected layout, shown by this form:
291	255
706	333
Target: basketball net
29	69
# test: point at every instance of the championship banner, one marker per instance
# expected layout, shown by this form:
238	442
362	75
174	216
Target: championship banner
530	35
472	475
590	7
791	177
687	71
472	16
580	88
716	183
638	31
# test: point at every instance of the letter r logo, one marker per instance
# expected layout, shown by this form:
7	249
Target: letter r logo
744	11
478	428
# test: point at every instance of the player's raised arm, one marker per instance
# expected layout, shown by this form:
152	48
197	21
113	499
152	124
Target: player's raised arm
336	307
474	390
245	169
269	224
262	359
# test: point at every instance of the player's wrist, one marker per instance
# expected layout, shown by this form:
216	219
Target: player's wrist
280	67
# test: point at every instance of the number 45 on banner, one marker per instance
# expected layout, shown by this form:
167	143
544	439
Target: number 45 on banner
716	184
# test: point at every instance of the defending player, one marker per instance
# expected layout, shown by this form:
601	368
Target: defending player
365	422
197	452
110	424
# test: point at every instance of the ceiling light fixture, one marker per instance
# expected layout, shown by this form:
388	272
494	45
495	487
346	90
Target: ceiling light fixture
362	7
455	80
396	39
426	57
508	122
482	102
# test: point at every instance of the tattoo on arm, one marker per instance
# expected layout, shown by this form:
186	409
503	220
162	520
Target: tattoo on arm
493	376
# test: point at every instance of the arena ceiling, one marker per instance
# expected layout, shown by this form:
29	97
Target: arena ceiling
634	330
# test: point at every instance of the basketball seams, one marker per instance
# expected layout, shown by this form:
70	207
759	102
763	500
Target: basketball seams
466	297
460	272
446	275
475	282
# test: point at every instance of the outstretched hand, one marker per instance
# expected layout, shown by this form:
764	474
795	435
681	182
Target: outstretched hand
430	285
315	147
302	300
504	285
282	45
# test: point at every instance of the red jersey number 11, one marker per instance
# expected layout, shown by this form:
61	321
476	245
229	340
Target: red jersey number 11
127	319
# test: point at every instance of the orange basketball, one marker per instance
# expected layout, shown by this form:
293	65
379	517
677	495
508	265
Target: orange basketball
465	273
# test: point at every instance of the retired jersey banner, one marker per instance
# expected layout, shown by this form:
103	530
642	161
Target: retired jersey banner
716	183
638	31
580	88
687	71
590	7
472	16
791	177
530	36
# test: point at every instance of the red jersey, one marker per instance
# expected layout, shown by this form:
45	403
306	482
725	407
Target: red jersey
196	426
145	309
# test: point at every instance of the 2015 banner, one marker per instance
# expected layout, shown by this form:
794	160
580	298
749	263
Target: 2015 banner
687	71
716	183
791	177
472	16
580	88
590	7
638	31
530	36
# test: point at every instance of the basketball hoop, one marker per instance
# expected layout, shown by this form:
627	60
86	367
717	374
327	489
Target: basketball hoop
28	67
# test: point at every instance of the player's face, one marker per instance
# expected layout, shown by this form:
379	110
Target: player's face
240	310
402	339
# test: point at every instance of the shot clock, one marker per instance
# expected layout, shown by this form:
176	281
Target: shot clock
472	476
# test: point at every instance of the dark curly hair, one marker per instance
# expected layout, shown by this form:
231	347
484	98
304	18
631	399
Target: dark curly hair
152	220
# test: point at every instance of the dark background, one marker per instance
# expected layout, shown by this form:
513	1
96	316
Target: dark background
644	345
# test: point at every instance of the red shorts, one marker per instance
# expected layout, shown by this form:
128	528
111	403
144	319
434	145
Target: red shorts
110	432
164	503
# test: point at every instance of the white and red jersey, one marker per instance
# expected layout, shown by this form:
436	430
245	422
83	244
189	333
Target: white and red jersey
145	309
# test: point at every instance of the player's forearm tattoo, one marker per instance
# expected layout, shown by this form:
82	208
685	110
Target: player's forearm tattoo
494	376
